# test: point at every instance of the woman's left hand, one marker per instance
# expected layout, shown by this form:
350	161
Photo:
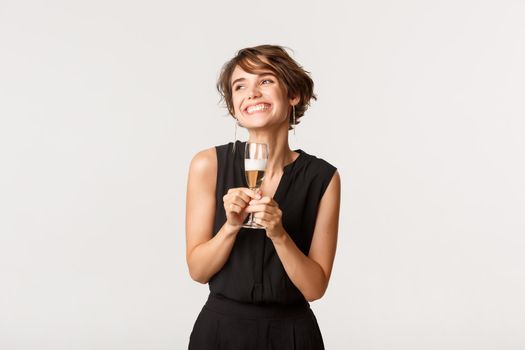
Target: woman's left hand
267	213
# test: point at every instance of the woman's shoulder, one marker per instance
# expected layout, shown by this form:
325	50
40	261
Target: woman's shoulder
318	163
204	161
320	172
207	159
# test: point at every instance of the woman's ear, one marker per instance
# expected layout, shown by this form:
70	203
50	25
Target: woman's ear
295	100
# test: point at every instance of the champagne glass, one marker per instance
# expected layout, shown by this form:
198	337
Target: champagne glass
255	158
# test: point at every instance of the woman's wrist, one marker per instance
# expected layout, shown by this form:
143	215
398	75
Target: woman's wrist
230	230
278	236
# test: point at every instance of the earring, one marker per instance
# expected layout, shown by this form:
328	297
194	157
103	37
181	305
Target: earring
293	113
235	137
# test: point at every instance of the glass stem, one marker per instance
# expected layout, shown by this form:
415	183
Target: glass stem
251	219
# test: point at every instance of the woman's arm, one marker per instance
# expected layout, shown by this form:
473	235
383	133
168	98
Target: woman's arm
310	274
206	254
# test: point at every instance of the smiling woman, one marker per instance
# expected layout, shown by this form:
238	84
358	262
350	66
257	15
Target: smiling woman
266	65
261	280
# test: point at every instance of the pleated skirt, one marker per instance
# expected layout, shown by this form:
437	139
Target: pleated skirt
224	324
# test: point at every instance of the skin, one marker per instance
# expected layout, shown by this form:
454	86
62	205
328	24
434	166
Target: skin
205	253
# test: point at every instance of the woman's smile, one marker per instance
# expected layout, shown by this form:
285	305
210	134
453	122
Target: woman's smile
257	108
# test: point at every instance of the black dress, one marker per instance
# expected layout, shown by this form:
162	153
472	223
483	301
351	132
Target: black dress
253	304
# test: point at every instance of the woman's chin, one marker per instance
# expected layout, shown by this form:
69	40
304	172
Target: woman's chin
261	126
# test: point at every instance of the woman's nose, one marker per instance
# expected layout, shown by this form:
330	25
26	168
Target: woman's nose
254	92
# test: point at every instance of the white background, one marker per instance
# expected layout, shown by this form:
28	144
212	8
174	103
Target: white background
421	107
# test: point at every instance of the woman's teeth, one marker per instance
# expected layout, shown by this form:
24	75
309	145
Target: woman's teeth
257	108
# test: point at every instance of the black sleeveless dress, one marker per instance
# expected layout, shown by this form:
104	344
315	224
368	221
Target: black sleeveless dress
253	304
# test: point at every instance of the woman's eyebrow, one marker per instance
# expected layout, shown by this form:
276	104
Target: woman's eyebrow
262	74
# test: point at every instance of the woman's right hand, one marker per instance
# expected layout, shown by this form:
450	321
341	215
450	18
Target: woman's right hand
235	201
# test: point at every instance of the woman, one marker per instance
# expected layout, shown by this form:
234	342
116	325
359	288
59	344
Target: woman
261	280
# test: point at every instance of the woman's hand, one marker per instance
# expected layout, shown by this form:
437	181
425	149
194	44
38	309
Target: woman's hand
267	213
235	201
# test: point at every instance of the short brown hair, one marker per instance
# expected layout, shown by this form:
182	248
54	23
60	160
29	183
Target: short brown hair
290	74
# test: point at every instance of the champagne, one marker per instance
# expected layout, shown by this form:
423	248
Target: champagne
254	178
254	169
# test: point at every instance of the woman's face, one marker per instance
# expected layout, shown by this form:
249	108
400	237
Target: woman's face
259	100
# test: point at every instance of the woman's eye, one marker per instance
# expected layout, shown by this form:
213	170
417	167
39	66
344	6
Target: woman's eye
265	81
